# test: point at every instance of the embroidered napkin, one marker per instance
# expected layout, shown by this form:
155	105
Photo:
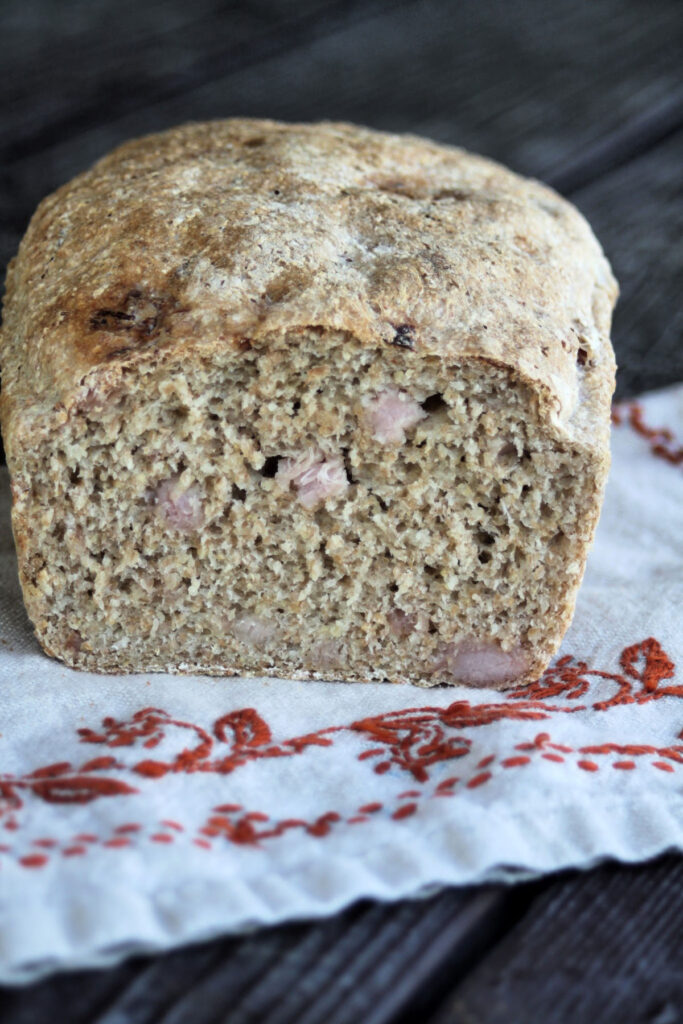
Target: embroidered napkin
141	812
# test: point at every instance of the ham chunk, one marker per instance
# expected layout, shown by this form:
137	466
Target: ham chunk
314	476
180	506
390	413
326	655
253	630
480	663
402	624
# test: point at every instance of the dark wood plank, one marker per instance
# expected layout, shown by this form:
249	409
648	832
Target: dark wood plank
530	88
367	964
603	946
131	56
650	128
637	213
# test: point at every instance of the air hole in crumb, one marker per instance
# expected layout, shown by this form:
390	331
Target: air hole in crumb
430	570
546	510
382	503
484	557
525	490
581	357
269	467
507	450
59	531
295	407
393	587
75	475
125	585
238	493
485	538
432	628
434	403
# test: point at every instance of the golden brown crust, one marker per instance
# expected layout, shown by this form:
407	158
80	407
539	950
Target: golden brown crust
214	232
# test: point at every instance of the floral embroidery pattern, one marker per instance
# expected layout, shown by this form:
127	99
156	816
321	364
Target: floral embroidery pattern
662	442
412	741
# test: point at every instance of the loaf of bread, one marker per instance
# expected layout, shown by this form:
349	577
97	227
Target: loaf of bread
311	401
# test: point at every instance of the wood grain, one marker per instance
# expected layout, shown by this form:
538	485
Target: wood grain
535	90
637	213
603	947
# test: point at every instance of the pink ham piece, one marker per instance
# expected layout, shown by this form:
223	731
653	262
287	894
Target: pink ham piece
181	507
480	663
326	655
253	630
402	624
314	476
390	413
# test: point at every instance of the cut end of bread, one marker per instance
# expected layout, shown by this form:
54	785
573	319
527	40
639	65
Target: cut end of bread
310	507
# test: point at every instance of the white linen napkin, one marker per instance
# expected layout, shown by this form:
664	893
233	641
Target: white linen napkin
141	812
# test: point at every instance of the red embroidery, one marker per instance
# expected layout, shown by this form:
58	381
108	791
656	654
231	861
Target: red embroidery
33	860
404	812
479	780
412	740
644	663
663	444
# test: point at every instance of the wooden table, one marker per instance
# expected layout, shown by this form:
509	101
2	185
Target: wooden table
587	96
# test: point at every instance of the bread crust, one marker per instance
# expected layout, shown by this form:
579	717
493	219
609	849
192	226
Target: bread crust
211	233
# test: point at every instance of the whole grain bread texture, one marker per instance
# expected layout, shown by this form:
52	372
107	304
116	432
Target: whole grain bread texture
305	400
